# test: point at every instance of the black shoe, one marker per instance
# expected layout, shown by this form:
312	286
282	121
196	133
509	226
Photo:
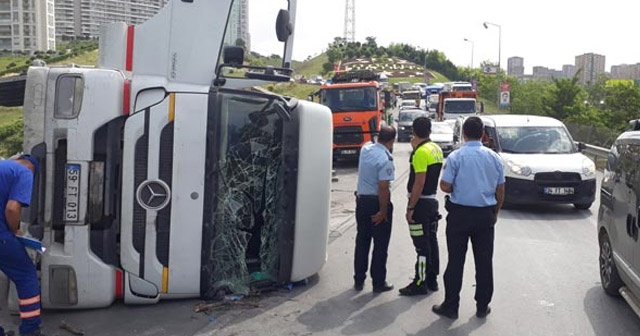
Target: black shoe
35	333
432	285
383	288
358	286
445	311
483	312
413	289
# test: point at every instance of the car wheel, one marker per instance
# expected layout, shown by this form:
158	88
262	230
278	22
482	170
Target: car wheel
609	277
582	206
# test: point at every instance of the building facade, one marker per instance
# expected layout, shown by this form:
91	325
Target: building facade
515	66
238	26
590	66
568	70
27	25
83	18
625	71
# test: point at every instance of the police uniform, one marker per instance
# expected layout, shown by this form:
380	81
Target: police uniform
474	171
426	158
375	164
16	183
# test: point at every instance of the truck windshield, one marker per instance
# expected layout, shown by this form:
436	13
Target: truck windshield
350	99
535	140
459	106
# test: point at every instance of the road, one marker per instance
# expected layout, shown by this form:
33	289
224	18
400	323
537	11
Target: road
546	283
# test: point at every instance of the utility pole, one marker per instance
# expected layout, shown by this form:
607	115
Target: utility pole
350	21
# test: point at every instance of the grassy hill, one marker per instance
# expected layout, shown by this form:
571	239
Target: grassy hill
311	67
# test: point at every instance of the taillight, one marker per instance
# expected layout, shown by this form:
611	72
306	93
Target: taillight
119	283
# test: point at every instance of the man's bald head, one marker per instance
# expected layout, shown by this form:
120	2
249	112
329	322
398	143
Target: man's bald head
387	134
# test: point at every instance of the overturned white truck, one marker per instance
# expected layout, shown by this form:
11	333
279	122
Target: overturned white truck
163	177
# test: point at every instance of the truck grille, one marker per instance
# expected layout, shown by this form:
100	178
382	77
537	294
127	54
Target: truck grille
348	135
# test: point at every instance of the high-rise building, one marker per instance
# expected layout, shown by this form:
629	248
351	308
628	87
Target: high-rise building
515	66
83	18
568	70
238	26
27	25
540	72
625	71
590	66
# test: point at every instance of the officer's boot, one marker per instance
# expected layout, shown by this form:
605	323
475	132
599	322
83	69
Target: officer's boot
432	282
415	289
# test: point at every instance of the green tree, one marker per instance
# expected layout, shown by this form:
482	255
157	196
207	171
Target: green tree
566	98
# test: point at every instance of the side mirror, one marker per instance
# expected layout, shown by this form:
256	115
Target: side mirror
310	98
396	120
456	138
581	146
233	55
284	29
635	124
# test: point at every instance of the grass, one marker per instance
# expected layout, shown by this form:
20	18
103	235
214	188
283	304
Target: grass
312	66
300	91
438	79
89	58
4	61
9	114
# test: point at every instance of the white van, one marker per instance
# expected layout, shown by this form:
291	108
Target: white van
542	163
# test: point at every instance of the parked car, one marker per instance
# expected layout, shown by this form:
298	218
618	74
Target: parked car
442	134
405	122
618	220
542	163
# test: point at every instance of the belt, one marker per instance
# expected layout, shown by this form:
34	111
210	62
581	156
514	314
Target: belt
424	196
367	196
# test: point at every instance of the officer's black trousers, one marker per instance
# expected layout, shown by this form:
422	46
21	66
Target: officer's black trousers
477	224
425	240
380	234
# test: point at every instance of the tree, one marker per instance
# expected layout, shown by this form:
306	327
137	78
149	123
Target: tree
566	98
240	43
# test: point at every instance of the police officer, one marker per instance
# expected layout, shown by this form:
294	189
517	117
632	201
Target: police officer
474	176
16	182
374	211
422	208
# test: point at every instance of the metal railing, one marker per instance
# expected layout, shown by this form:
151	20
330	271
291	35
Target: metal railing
597	154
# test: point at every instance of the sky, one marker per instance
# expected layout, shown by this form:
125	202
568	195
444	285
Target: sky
544	32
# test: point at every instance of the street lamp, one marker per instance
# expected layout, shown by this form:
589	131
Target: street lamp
468	40
486	26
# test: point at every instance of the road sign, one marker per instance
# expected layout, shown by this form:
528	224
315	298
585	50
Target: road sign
505	87
490	70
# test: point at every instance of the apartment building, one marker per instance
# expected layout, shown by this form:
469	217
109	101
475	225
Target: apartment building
625	71
238	26
27	25
568	70
515	66
590	66
83	18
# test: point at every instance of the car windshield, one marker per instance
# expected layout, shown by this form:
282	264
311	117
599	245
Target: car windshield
409	115
535	140
350	99
441	128
459	106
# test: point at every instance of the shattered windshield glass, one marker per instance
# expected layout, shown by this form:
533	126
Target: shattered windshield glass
244	189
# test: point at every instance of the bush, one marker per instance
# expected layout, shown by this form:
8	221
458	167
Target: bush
11	138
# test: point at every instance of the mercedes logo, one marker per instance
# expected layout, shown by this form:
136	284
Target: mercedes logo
153	195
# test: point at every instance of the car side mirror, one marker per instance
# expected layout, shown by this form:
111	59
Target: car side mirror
456	138
310	98
581	146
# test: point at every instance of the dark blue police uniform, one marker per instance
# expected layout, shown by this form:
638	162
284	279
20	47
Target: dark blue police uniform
16	182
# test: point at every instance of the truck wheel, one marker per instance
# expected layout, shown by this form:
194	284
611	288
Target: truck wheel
609	277
582	206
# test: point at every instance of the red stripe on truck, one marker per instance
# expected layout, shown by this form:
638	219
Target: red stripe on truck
129	60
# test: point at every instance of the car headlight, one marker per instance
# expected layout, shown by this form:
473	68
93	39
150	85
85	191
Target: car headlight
402	128
588	168
518	169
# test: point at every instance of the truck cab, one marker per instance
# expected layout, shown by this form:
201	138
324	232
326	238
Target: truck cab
165	173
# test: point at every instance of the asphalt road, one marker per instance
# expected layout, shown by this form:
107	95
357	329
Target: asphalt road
546	283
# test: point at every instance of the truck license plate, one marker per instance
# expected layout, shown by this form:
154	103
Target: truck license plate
72	191
558	190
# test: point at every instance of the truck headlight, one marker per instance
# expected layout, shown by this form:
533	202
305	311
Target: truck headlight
518	169
402	128
588	168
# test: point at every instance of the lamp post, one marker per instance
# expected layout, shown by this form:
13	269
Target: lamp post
468	40
486	26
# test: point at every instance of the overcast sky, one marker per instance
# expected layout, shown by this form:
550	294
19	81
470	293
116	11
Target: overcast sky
544	32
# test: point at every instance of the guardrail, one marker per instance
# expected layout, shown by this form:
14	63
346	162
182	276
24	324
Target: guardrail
597	154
